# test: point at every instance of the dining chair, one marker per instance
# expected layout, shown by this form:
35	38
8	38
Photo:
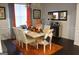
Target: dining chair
48	33
15	29
25	39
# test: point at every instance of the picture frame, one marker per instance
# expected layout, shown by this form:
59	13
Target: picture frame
2	13
55	15
63	15
58	15
36	14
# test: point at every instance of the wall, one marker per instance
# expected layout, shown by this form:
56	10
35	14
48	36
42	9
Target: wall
5	24
68	27
12	17
76	42
35	6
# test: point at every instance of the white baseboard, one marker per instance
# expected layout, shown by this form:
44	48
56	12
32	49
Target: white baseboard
66	38
76	43
0	47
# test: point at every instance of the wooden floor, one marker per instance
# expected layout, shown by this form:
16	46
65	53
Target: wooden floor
33	51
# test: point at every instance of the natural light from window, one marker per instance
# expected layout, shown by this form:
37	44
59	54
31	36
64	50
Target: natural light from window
20	14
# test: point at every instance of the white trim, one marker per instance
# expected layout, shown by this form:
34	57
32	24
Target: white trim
76	43
0	47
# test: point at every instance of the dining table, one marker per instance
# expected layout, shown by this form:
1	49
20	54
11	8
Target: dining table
34	34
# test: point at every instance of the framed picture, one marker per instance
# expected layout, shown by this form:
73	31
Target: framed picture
58	15
63	15
2	13
55	15
36	14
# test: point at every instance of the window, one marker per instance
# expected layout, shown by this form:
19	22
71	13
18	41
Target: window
20	14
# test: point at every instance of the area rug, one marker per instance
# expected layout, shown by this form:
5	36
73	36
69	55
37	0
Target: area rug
33	51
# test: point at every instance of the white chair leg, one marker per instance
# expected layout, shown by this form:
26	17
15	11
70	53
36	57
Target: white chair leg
44	48
50	46
50	43
19	43
26	47
22	44
37	45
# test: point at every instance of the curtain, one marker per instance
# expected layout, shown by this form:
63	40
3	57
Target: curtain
29	23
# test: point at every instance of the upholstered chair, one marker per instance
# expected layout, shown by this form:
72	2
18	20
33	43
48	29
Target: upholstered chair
48	33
